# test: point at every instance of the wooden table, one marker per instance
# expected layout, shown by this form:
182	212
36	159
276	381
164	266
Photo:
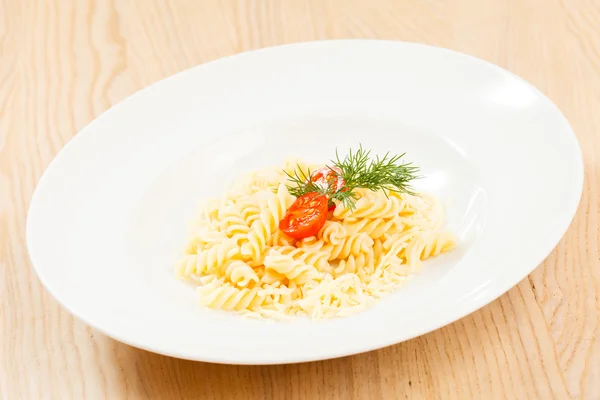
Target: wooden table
66	61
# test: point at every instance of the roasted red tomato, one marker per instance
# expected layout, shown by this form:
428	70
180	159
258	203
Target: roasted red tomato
305	216
325	175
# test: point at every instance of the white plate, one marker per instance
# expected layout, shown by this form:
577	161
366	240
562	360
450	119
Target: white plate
108	217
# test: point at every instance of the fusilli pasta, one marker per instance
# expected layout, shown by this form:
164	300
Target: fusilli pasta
243	262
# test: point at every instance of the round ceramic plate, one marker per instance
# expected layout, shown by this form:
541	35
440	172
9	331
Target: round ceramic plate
108	218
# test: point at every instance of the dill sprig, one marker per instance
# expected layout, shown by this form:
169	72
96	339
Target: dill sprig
358	169
302	183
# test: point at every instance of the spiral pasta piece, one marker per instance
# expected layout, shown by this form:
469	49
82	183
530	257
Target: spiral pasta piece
232	224
352	245
311	243
318	259
248	208
294	270
271	277
279	238
258	239
333	232
375	228
240	273
274	206
428	244
353	264
370	205
209	260
210	209
397	241
223	295
378	250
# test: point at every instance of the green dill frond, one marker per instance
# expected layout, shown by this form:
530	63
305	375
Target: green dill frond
347	198
301	183
388	172
359	169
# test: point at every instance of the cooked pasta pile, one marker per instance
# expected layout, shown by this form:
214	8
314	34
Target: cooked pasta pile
241	261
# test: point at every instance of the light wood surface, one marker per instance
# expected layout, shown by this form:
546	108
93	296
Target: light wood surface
63	62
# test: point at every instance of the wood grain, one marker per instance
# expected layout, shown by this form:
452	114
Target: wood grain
63	62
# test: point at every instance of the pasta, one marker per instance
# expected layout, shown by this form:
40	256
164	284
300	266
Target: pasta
220	294
293	269
241	261
264	227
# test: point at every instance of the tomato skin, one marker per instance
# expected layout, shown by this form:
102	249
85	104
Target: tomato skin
325	175
306	216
